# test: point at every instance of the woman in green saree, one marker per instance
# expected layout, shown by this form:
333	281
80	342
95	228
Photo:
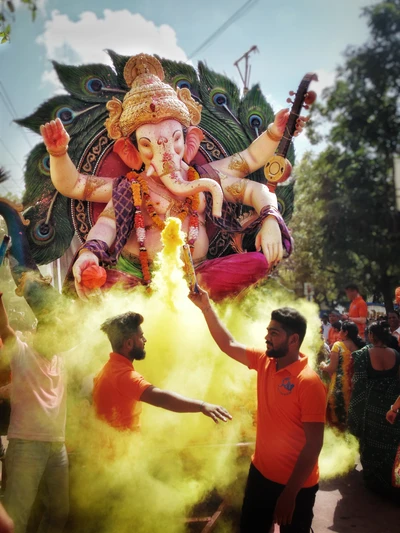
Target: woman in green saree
376	384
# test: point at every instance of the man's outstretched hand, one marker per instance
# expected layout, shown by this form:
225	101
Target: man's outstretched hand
216	412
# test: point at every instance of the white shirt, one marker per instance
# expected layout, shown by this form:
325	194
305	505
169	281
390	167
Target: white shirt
325	330
38	395
396	333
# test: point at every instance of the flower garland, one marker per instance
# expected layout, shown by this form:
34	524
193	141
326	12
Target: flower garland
140	192
340	389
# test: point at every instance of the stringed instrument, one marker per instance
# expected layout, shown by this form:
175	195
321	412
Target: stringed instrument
278	168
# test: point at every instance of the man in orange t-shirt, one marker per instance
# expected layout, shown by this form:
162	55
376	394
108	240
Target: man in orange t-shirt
283	476
358	310
334	332
119	389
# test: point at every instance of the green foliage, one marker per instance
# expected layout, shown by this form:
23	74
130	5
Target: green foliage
4	174
7	17
346	226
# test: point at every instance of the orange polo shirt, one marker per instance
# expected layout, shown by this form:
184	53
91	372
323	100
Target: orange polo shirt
358	308
286	399
117	391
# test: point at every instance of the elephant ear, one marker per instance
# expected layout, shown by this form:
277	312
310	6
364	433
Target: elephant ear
194	137
129	154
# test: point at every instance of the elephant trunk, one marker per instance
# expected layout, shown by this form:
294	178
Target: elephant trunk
181	187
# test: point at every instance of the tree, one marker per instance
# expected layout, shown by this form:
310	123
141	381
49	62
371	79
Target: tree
353	230
7	16
4	174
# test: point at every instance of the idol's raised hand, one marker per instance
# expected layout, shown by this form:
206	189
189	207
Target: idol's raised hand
55	137
280	122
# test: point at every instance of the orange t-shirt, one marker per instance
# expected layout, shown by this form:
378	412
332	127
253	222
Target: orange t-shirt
333	336
358	308
117	391
286	398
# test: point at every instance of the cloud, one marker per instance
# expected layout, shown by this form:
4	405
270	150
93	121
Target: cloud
325	79
85	40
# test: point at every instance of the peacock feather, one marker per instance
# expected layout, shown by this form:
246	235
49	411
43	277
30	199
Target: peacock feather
255	113
180	75
89	83
119	63
285	195
230	122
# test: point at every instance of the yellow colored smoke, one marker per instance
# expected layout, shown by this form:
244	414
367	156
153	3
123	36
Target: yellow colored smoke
150	482
339	454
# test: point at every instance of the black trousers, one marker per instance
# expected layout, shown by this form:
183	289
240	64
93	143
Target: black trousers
259	502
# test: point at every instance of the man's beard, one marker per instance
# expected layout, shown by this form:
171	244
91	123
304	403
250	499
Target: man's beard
137	354
277	353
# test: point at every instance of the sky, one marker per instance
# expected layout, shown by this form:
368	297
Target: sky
293	37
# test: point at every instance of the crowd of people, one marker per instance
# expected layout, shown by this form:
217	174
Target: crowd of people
363	368
293	406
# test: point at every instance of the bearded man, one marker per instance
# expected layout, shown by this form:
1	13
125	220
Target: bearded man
291	404
119	389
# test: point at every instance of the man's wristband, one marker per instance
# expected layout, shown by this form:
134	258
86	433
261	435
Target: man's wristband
394	411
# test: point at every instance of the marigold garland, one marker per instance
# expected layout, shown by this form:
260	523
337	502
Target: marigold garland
340	389
140	192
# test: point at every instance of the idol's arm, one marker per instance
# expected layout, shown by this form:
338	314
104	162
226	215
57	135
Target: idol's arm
105	231
64	175
258	196
257	154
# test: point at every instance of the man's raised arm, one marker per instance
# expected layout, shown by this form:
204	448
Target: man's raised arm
220	334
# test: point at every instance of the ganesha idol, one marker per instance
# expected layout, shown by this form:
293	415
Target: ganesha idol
156	136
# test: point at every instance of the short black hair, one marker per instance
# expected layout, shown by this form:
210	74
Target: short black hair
291	321
351	287
337	325
119	328
395	311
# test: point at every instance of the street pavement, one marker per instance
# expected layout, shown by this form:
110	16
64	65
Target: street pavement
344	505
